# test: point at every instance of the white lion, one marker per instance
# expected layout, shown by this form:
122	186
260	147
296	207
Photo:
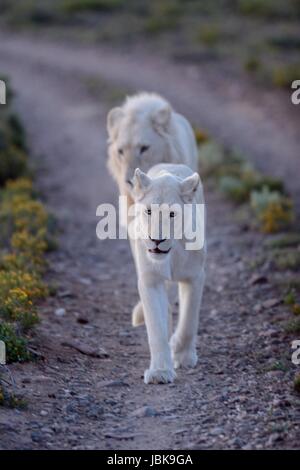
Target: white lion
143	132
160	260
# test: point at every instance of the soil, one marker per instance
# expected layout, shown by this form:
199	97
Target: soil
235	397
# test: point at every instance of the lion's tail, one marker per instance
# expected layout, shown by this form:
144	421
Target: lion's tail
138	315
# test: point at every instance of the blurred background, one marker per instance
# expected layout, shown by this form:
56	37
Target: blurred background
259	37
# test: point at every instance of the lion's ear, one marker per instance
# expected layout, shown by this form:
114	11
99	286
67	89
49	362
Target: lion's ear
161	118
141	182
189	186
113	119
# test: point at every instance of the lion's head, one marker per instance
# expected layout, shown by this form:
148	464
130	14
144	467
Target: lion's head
138	137
161	204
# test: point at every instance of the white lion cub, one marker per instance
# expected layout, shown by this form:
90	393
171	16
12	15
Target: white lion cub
161	196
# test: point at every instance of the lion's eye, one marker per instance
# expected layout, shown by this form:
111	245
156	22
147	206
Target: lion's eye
144	148
148	211
172	214
120	151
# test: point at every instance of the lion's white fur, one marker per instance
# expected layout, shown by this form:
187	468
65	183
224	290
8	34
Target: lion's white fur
167	184
147	131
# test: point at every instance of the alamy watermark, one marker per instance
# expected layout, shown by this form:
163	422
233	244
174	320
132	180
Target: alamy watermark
2	353
295	96
2	92
157	222
296	354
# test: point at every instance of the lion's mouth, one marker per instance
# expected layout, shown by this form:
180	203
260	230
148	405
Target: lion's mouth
158	251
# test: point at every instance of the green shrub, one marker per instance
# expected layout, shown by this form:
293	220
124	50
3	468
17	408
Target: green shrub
238	180
156	24
235	176
290	298
17	131
287	240
13	164
234	188
209	34
16	346
252	64
287	259
162	16
200	135
297	383
211	157
273	210
286	42
296	309
268	8
24	239
98	5
283	75
293	326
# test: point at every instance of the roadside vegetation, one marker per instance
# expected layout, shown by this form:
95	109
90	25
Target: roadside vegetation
260	37
24	240
262	205
265	198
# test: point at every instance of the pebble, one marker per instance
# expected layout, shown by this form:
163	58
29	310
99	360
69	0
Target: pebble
36	437
274	438
113	383
60	312
216	431
144	412
46	430
258	278
270	303
237	442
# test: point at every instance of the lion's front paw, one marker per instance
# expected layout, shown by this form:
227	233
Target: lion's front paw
159	376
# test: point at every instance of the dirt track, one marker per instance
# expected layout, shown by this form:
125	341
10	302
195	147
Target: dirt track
232	399
261	123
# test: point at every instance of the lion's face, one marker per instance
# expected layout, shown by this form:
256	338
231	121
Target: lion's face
138	145
160	210
137	141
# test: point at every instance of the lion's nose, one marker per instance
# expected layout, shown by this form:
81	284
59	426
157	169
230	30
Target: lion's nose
157	242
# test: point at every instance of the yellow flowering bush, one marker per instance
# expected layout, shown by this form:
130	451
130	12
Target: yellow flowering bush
23	243
16	346
30	283
241	182
30	248
20	211
25	224
19	186
275	216
18	307
17	301
200	135
273	210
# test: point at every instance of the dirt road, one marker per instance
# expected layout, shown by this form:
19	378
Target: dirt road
234	398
